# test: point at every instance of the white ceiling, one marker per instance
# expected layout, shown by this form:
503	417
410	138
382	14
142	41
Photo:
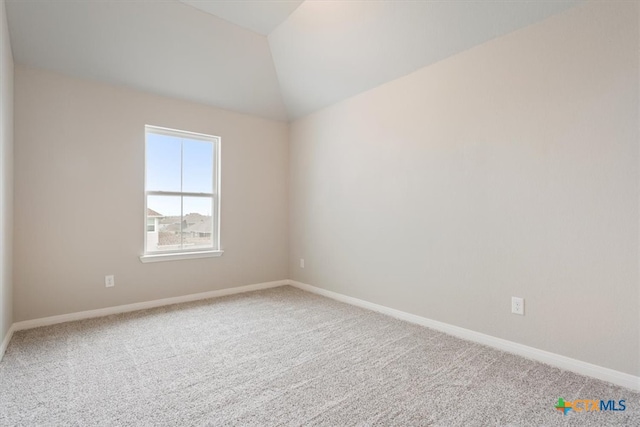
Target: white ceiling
261	16
164	47
328	51
320	52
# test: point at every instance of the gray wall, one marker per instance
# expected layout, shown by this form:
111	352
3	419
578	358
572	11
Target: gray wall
6	177
508	170
79	215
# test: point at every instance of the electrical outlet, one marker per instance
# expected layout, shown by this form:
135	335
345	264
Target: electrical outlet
301	262
109	281
517	305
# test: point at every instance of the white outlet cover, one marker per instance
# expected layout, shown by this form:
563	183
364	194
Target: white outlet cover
109	281
301	262
517	305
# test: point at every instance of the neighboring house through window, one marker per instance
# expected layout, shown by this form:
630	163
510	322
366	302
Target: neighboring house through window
182	194
152	220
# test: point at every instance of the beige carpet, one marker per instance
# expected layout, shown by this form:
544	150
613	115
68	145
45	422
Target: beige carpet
280	357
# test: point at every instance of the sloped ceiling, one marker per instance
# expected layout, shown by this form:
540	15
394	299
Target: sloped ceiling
164	47
263	18
328	51
216	52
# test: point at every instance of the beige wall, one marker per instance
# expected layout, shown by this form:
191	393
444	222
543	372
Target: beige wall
508	170
6	176
79	167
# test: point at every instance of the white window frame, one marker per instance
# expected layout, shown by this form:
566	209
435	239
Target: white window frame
171	255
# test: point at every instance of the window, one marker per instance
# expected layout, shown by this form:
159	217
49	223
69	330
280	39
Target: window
182	195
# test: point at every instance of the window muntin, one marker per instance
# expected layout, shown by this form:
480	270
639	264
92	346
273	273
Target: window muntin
181	191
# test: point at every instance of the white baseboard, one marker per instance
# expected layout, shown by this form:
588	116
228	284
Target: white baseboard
5	341
46	321
562	362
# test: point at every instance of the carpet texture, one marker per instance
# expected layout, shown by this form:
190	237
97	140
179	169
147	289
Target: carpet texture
280	357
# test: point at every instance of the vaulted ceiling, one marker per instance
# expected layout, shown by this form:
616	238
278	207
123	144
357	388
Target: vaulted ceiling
279	59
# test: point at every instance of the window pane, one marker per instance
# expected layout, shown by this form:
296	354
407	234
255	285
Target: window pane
166	211
163	162
197	166
180	162
197	222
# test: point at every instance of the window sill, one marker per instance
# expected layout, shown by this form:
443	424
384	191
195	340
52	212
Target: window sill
179	256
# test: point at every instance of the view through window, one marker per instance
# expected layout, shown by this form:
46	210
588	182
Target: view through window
181	191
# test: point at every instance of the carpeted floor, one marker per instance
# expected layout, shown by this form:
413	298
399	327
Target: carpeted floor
280	357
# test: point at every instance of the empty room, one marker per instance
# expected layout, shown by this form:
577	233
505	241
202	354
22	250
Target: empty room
319	213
